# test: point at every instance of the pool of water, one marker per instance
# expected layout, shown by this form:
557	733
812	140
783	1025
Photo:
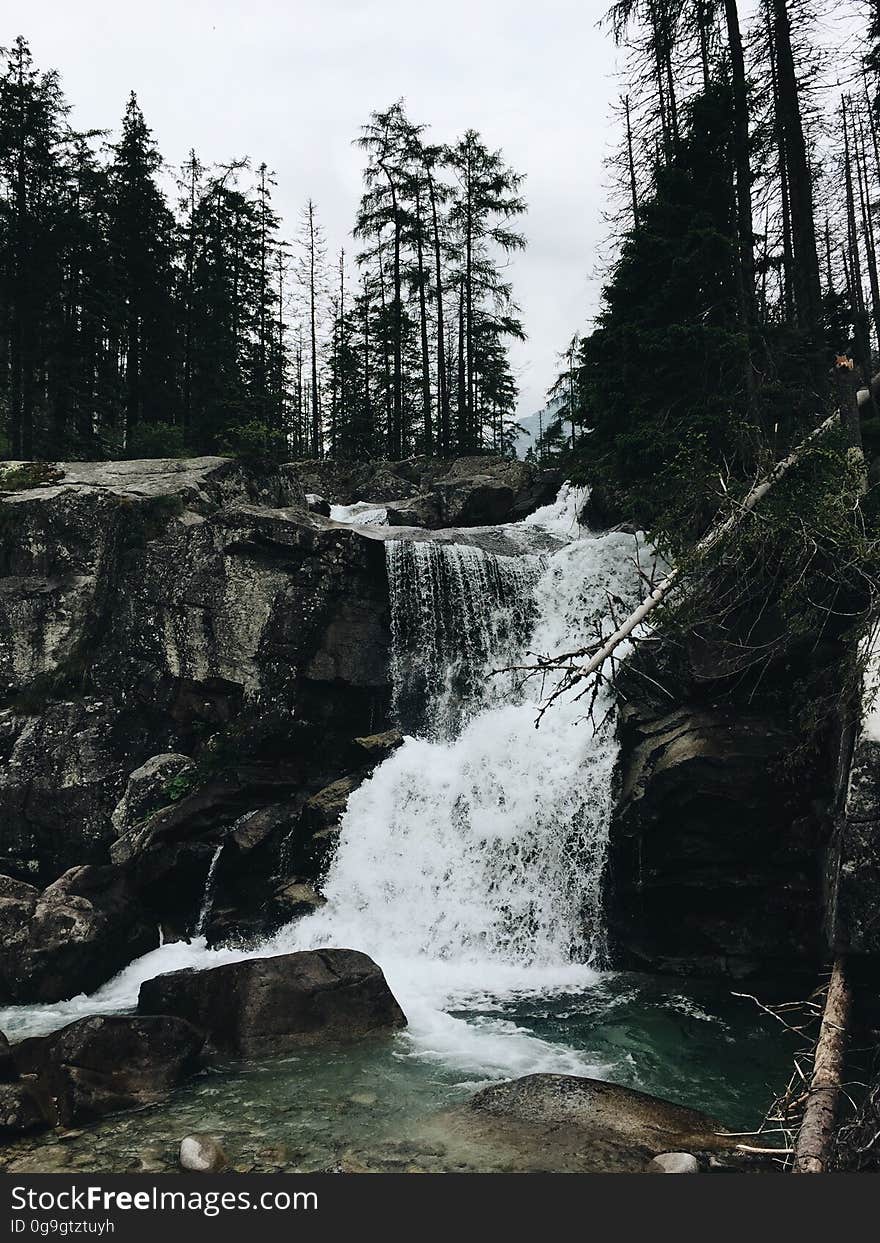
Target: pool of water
383	1104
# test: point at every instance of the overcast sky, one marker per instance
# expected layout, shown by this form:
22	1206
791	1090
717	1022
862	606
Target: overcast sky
291	81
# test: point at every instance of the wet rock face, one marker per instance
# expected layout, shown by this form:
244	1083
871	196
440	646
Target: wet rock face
71	937
708	828
267	1006
144	608
101	1065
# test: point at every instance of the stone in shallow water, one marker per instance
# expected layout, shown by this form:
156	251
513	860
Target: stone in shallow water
19	1109
202	1154
673	1163
266	1006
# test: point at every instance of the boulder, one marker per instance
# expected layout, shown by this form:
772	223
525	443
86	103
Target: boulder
266	1006
435	492
102	1065
202	1154
152	786
20	1110
580	1123
317	505
70	938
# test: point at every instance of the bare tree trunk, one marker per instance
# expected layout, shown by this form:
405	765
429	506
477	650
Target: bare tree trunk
859	317
397	435
806	261
868	228
744	224
423	318
442	382
813	1145
632	165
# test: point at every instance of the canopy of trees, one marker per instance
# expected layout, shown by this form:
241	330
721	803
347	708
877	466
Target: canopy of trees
745	189
140	320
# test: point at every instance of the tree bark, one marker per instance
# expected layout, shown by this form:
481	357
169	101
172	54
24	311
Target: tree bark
442	381
744	223
813	1145
806	260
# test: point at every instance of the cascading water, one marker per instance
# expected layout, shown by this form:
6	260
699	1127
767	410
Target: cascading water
479	846
470	864
457	614
208	892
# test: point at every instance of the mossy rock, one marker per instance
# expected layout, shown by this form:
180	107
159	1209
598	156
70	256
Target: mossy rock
22	476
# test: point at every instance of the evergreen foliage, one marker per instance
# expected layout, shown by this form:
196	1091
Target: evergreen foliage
137	322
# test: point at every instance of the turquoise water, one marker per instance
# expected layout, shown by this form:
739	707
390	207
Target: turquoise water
380	1105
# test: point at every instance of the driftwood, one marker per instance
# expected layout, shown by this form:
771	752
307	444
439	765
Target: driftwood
814	1140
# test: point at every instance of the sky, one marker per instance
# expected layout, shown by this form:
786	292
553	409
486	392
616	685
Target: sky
291	82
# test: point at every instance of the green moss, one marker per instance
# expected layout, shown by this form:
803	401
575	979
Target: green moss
178	787
28	475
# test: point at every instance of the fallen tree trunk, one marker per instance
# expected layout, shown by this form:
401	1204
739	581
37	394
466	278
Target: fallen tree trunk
717	533
813	1146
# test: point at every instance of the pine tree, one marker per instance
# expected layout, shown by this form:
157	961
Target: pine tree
142	247
33	176
311	274
485	201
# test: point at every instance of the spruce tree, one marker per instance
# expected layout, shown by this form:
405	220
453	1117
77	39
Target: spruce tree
142	247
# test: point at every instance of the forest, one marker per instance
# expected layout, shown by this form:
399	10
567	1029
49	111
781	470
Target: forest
374	798
150	312
744	239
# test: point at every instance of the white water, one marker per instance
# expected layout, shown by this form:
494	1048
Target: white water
208	893
470	864
360	514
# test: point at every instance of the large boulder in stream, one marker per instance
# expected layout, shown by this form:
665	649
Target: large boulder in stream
103	1065
266	1006
565	1123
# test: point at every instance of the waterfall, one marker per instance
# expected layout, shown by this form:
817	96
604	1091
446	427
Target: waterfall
470	864
457	615
480	847
208	892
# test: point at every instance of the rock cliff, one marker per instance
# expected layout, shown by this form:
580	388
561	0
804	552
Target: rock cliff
193	654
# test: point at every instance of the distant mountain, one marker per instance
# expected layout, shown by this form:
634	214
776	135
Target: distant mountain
532	425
